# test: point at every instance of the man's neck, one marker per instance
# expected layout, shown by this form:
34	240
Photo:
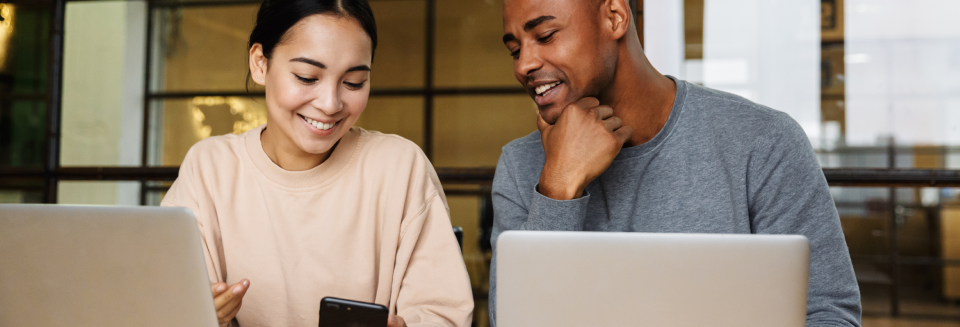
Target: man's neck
640	96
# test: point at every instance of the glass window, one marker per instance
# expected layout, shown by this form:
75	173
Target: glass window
470	130
395	115
22	133
399	60
24	48
470	51
102	105
201	48
99	192
24	55
176	125
13	190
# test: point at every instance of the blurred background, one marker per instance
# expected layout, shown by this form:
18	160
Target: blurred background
100	101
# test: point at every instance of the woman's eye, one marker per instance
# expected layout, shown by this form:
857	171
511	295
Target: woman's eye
355	86
305	80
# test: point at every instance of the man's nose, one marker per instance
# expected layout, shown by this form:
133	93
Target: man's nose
528	62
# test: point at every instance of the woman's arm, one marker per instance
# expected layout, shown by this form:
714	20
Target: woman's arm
434	288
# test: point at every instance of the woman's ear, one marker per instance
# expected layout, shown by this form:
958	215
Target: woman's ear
618	17
258	64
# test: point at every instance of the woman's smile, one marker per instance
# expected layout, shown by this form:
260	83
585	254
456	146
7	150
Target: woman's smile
318	127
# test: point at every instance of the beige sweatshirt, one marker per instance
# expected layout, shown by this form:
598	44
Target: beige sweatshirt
370	224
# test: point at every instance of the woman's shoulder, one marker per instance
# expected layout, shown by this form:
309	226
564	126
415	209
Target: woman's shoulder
388	145
215	150
392	155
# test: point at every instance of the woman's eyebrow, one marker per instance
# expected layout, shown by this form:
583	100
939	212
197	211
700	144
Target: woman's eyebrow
322	66
309	61
359	68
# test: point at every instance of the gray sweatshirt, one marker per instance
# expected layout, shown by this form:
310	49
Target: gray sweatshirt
721	164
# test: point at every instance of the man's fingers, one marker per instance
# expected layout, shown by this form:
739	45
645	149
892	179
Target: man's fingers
542	125
623	134
613	123
587	103
604	112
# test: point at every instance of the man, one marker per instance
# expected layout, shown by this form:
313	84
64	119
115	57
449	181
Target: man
621	147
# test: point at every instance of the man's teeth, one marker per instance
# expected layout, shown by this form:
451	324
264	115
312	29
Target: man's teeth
543	88
319	125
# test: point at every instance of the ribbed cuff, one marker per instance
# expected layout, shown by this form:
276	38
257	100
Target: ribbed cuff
559	215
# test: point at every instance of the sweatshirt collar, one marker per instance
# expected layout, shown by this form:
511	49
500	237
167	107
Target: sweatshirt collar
343	155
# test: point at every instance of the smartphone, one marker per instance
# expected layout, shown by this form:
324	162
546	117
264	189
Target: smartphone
335	312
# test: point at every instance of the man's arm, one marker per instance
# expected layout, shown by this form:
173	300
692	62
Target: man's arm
511	213
578	147
788	194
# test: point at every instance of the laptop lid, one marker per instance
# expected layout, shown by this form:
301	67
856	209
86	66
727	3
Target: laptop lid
650	279
102	266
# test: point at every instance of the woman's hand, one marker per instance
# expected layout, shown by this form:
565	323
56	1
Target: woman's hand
227	300
395	321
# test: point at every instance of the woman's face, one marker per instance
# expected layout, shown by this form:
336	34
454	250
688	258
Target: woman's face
317	80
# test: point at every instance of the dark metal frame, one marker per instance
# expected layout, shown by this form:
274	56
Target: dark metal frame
51	172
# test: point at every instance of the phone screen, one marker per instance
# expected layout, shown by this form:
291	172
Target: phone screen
336	312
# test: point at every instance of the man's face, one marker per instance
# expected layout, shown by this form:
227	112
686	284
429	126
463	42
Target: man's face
557	49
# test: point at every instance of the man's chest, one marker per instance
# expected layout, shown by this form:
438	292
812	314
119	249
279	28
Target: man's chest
692	196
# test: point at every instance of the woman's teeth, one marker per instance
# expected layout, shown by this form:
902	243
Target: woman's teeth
543	88
318	125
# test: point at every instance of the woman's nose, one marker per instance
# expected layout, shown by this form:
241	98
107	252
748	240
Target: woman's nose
327	99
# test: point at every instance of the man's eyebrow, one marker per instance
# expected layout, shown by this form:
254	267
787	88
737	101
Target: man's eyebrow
309	61
509	37
536	21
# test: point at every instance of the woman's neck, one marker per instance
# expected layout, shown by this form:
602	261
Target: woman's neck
283	152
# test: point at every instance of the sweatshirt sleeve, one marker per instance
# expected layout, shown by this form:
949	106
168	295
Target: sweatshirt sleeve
788	194
511	212
183	193
434	288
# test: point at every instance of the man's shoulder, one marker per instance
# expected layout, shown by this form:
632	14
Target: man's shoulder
531	143
524	155
727	113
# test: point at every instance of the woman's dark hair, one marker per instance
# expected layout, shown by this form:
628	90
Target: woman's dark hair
275	17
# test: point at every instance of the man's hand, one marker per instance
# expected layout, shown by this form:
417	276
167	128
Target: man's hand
227	300
579	147
395	321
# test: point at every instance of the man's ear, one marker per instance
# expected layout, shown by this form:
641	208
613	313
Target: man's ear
258	64
617	16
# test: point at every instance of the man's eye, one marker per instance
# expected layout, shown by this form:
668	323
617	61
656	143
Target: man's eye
515	53
355	86
305	80
546	38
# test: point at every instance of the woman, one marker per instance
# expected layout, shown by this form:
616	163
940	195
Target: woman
309	206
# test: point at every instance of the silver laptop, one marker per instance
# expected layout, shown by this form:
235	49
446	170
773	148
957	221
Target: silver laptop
102	266
643	279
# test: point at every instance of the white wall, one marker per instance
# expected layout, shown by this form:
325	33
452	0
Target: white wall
903	71
663	35
102	96
768	52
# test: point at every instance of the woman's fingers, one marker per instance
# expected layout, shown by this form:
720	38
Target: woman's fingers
395	321
217	288
229	316
229	300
